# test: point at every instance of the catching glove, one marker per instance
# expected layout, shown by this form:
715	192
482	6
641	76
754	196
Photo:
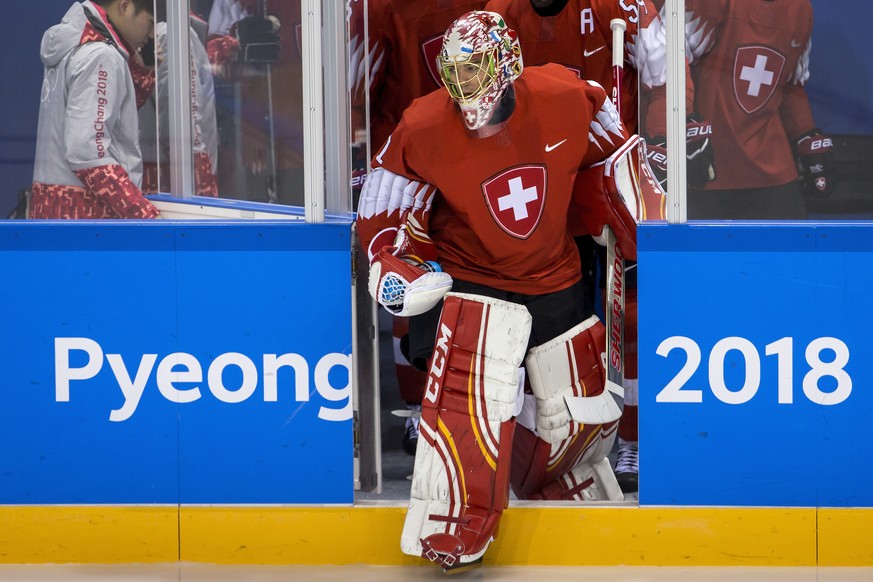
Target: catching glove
816	164
404	288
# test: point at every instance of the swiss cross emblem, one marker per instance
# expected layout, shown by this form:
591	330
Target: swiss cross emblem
516	198
756	75
430	50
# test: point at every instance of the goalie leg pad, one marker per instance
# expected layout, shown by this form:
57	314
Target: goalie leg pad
567	378
537	474
576	420
460	481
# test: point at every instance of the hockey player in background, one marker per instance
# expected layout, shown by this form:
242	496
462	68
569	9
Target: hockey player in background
88	162
404	40
399	63
466	219
578	35
257	60
154	117
750	60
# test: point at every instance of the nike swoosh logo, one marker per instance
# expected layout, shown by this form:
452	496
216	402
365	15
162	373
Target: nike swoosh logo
588	53
550	147
795	44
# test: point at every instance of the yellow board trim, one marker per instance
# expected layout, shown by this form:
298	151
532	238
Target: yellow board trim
88	534
530	535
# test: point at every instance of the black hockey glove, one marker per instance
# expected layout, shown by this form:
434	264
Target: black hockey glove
147	52
656	154
700	165
258	39
816	164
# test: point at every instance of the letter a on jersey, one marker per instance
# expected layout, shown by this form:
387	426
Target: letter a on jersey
756	75
515	199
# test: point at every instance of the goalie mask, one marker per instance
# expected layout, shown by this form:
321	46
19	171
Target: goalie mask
479	59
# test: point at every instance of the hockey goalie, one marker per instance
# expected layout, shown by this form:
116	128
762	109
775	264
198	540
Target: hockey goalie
468	216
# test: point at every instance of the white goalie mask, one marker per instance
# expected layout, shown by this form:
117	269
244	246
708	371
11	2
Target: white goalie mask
479	59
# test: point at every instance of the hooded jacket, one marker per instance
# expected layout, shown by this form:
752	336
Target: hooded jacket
205	130
88	162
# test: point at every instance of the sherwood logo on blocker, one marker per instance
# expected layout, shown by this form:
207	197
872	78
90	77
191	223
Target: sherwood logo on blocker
181	367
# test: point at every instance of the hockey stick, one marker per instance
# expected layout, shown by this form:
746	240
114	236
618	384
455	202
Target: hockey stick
272	176
615	283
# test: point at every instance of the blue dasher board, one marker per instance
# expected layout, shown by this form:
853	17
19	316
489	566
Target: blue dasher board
156	362
756	364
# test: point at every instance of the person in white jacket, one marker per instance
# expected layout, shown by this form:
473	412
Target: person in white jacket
88	162
154	117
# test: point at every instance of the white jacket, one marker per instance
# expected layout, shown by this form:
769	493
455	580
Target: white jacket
88	114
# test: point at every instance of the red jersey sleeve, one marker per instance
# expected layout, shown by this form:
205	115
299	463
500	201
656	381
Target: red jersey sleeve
606	133
391	191
795	112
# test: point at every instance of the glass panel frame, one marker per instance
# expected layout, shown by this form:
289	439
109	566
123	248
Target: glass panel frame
326	139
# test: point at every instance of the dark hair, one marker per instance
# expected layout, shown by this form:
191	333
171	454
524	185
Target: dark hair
160	11
147	5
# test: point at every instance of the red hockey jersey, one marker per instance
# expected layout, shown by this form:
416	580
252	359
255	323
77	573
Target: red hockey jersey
750	59
580	38
404	40
496	207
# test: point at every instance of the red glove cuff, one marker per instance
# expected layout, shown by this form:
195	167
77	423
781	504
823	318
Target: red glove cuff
221	49
204	180
112	185
143	82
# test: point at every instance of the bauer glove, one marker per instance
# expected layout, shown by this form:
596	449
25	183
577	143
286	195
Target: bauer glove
656	153
699	166
816	164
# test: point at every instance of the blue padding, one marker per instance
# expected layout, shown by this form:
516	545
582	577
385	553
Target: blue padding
135	235
176	362
738	327
785	236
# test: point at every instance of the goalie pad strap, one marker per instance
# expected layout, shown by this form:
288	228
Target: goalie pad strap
461	473
599	409
591	481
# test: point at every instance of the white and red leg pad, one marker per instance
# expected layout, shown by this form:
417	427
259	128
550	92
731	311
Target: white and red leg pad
538	474
564	455
460	482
